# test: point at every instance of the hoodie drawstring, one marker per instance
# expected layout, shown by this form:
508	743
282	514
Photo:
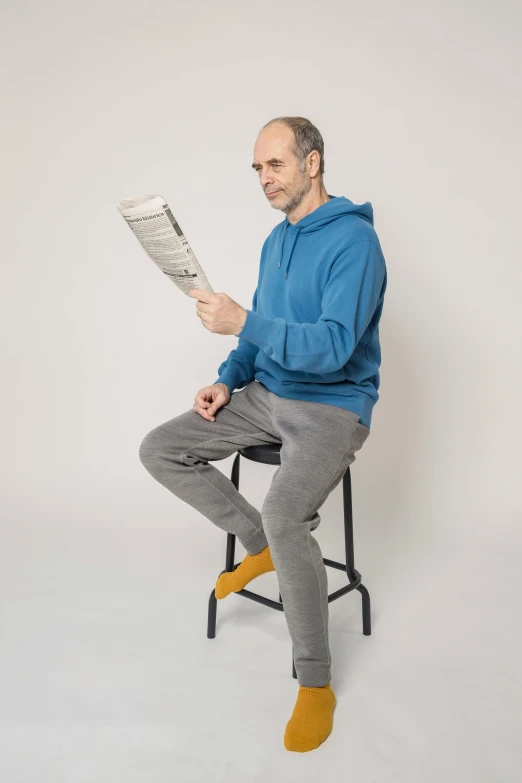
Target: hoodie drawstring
291	251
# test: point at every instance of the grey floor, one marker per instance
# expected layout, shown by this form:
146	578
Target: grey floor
107	674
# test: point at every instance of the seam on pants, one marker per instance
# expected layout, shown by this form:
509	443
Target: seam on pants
195	467
313	561
233	439
320	601
272	415
341	458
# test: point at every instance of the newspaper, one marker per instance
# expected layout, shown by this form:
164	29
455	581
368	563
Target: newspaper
158	232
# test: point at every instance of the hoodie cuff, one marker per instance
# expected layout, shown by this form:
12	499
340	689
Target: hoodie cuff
229	377
260	330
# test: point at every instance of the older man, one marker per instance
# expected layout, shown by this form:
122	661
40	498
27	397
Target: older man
307	373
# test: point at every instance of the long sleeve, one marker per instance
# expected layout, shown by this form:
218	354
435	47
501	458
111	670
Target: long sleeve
238	368
349	300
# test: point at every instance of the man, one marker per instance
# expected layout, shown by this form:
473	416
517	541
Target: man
307	366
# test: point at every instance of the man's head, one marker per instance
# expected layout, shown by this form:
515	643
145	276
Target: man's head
289	159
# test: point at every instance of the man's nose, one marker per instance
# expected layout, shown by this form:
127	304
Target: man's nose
265	179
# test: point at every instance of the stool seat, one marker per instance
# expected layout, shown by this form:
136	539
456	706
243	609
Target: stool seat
268	453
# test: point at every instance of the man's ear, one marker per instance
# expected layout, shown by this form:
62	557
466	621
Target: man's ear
314	163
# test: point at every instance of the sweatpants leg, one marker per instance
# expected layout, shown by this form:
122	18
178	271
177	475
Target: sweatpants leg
177	455
319	442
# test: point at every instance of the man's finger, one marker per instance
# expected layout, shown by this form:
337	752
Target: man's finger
202	296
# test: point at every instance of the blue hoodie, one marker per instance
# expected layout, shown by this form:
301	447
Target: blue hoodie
312	333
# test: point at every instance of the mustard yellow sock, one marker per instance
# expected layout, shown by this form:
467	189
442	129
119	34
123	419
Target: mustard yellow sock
248	569
312	718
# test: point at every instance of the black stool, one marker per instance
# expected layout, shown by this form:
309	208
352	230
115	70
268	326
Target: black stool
270	455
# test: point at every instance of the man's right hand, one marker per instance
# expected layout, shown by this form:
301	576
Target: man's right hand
210	398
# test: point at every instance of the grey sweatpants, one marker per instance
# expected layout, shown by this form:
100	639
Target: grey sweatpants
318	442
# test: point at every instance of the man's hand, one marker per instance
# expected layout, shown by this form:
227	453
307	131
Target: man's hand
218	312
210	398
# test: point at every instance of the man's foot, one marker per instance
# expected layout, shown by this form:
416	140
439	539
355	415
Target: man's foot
248	569
312	718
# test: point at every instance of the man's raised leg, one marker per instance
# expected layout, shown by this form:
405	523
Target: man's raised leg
177	454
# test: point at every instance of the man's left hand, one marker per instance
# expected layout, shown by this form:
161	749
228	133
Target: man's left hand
218	312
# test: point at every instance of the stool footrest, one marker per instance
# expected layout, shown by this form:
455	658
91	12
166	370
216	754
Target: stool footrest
260	599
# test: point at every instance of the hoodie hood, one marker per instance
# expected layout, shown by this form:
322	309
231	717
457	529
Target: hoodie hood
335	208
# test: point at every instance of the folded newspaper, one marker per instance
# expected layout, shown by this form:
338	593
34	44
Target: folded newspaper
158	232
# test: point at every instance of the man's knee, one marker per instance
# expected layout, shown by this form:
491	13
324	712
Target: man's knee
283	513
150	448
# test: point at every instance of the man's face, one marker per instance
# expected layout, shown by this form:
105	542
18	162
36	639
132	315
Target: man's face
283	183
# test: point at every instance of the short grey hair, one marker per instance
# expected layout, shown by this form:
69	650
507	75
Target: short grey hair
306	138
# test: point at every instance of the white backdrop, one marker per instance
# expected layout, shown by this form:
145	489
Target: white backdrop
106	670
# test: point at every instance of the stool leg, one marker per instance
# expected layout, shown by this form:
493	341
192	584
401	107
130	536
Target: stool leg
231	539
231	549
348	525
211	622
350	554
367	619
229	560
294	673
